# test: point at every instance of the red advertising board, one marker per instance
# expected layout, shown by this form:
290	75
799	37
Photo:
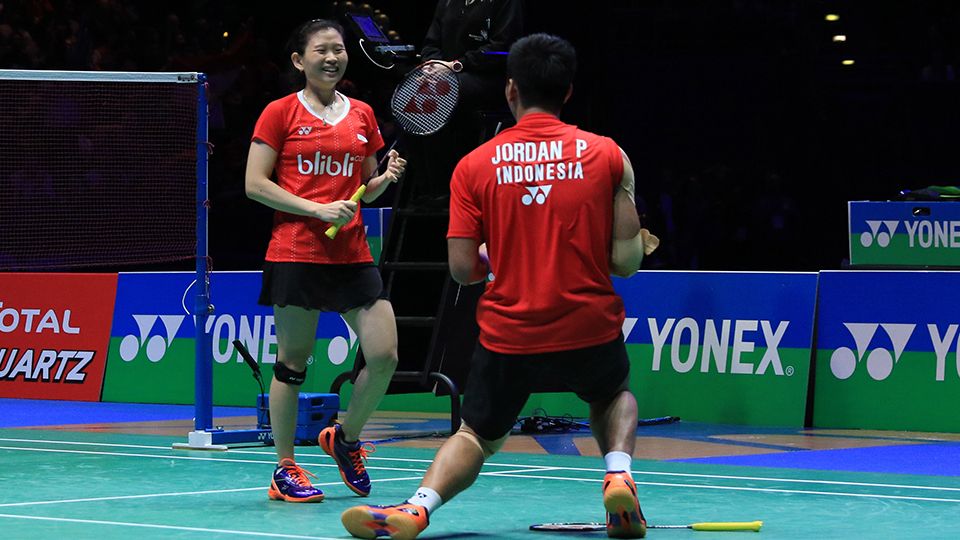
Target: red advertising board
54	332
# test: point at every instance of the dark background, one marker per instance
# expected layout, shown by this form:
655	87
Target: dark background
747	133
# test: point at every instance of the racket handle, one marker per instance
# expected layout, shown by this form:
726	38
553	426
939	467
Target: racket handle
332	230
728	526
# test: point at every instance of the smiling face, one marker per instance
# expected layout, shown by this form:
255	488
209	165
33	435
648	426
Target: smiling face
324	58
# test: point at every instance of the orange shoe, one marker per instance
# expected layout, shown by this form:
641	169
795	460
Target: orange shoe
399	521
624	517
349	458
290	483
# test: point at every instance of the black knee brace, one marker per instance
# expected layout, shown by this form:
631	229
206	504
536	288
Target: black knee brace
286	375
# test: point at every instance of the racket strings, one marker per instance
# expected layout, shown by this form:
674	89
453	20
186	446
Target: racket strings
424	101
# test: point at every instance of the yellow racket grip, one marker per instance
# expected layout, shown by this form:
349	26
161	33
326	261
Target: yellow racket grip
728	526
332	230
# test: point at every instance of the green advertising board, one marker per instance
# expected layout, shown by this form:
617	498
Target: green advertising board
888	345
725	347
904	234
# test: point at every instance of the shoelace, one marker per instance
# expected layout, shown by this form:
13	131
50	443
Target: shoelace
359	455
299	474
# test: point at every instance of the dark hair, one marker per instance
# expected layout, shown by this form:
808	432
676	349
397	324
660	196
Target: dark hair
542	66
298	40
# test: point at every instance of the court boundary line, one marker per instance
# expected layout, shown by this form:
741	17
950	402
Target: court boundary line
519	474
167	527
173	494
734	488
418	460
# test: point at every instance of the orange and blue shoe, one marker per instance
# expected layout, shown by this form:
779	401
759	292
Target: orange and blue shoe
349	458
399	521
290	483
624	517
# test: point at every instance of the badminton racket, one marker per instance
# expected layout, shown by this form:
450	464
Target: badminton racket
708	526
426	98
422	103
332	230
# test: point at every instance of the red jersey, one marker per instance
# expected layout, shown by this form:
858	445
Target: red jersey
540	194
321	161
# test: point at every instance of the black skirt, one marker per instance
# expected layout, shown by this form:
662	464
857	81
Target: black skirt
325	287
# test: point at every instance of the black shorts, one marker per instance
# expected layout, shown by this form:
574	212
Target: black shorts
325	287
499	384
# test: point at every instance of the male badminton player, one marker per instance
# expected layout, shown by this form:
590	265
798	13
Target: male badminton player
553	207
321	144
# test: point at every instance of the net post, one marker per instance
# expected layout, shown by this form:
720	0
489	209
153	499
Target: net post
203	309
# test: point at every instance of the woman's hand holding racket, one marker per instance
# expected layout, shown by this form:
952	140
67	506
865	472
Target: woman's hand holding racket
340	212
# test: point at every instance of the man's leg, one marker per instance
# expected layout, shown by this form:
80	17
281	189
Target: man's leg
455	468
614	426
614	423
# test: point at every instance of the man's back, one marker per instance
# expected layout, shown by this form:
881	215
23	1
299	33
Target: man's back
540	195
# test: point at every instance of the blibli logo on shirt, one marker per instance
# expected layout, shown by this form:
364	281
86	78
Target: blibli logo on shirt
321	164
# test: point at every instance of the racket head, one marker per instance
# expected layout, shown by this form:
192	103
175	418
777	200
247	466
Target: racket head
568	527
426	98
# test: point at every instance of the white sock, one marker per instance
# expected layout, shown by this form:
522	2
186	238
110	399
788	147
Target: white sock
618	461
426	498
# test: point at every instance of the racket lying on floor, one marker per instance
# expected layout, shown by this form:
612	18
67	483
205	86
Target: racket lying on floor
422	104
709	526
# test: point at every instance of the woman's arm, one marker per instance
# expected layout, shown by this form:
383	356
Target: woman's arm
376	185
259	187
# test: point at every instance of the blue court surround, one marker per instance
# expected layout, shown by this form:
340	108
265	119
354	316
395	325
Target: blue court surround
939	459
38	412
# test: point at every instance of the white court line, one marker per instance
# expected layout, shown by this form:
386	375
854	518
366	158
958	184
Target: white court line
167	527
736	488
775	479
176	494
488	464
122	497
239	451
189	458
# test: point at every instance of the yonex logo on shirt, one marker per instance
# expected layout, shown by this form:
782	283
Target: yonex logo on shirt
536	194
305	130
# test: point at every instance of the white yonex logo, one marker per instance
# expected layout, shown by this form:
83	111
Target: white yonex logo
724	346
339	348
880	362
305	130
882	237
536	194
156	345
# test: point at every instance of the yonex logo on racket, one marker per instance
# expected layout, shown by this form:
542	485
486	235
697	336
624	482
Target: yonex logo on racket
536	194
882	237
879	361
424	100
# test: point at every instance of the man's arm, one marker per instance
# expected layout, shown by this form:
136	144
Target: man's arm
627	251
466	264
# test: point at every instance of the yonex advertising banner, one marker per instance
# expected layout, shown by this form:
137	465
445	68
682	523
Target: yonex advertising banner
53	334
152	341
727	347
887	351
915	233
